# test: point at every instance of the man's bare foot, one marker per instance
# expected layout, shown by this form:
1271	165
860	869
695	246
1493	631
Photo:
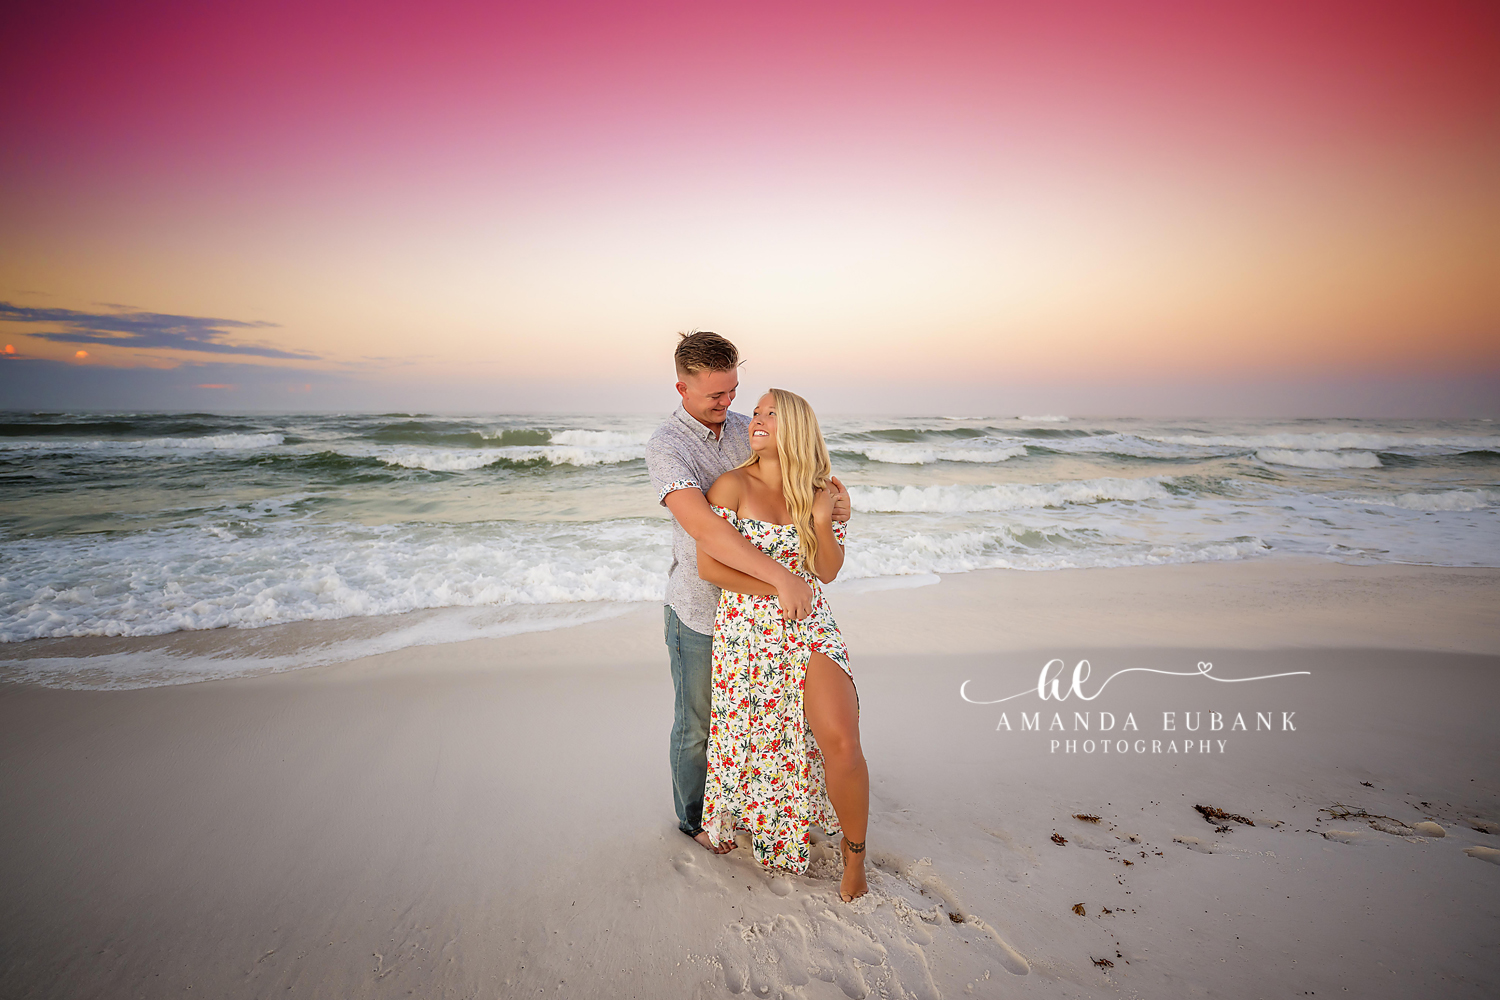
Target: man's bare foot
853	884
702	838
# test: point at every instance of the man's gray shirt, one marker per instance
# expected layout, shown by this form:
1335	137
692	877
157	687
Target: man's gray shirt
684	454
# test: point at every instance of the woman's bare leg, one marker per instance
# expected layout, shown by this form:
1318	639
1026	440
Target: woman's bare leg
832	710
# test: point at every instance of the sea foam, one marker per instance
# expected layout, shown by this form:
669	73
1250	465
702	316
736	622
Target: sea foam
924	454
144	446
246	574
1450	500
466	460
1319	459
959	497
1338	441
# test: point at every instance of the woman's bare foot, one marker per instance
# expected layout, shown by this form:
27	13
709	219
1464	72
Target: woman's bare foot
702	838
853	884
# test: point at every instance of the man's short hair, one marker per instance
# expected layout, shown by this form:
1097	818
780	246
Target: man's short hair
703	351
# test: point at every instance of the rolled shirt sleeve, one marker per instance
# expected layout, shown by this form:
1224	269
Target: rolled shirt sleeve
669	470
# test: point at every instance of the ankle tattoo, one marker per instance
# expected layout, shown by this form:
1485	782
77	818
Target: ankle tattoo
858	848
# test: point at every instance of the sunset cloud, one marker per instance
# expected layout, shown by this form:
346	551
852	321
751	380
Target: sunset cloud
148	330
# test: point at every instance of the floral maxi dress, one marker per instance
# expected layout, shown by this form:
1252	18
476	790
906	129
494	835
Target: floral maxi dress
765	771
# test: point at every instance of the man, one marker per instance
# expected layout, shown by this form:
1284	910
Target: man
699	442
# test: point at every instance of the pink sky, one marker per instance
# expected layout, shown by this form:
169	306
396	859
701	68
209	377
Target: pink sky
984	195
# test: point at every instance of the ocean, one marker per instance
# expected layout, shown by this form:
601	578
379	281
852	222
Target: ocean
149	524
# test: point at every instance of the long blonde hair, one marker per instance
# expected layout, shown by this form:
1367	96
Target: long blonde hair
804	465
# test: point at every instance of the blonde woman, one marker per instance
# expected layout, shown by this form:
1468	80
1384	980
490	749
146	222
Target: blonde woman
783	740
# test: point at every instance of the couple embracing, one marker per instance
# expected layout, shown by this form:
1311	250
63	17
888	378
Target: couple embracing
765	735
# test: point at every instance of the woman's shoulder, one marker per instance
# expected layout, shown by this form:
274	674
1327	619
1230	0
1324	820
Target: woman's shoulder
727	489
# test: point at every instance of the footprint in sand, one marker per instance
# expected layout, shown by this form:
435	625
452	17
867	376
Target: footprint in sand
1345	836
922	875
1484	854
775	956
876	946
1194	844
688	868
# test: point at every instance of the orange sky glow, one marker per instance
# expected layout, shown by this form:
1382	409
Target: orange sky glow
961	195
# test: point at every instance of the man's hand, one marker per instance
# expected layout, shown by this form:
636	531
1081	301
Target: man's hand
822	505
795	598
840	499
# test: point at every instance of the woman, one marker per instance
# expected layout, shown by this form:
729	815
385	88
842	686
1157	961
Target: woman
783	743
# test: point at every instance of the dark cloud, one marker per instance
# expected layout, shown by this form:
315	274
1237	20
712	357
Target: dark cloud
134	329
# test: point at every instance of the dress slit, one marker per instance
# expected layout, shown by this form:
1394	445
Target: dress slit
765	771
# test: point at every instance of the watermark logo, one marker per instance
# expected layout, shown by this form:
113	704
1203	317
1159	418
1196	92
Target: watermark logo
1049	687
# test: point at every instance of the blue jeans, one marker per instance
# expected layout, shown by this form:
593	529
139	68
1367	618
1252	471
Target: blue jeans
692	657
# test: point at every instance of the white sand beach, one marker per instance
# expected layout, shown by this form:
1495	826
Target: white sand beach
493	818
